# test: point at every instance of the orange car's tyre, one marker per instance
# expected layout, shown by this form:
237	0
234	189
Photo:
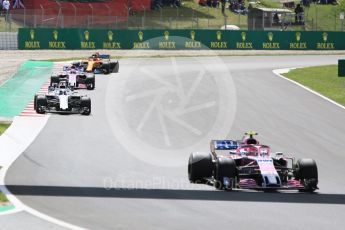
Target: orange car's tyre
115	66
106	67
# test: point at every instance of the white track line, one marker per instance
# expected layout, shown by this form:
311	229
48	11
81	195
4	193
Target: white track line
279	73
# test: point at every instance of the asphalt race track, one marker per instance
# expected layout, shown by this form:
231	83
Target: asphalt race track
125	166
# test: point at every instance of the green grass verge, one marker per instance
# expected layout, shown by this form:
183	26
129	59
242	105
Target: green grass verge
3	198
318	17
189	15
3	127
322	79
324	17
192	15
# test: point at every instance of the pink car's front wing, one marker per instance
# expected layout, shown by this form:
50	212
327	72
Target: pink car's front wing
251	184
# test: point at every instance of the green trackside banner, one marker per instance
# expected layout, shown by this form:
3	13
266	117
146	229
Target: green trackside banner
178	39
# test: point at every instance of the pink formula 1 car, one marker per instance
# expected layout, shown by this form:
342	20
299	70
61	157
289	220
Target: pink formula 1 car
247	164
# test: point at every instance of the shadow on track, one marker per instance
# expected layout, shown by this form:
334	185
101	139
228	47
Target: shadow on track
237	195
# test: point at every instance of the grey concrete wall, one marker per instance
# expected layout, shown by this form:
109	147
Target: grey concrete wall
8	40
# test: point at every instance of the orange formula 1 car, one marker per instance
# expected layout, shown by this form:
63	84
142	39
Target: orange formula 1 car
99	64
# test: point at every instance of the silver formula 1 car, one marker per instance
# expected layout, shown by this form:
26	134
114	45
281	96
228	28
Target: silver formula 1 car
62	99
246	164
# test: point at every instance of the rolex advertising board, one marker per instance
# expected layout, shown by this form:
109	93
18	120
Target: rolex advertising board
30	38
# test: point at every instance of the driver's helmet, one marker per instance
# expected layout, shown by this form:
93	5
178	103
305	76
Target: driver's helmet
95	56
62	85
250	141
73	69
